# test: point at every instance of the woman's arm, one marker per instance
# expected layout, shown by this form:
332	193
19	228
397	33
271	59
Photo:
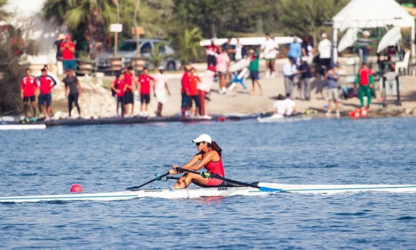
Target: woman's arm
208	157
188	165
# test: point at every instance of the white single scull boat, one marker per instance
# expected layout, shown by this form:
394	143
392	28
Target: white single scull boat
282	118
189	193
22	126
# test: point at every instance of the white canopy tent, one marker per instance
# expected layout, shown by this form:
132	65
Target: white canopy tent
361	14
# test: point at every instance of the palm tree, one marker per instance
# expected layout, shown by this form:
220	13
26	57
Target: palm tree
188	45
3	13
156	57
90	15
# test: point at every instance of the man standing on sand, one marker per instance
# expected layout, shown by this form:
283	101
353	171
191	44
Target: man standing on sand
212	53
305	79
254	71
270	49
73	91
295	51
128	91
365	85
45	83
68	53
290	72
332	79
185	85
159	89
28	89
324	49
144	82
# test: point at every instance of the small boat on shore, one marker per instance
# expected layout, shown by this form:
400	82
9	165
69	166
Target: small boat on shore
283	118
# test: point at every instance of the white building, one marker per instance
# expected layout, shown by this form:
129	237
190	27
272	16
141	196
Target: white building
26	13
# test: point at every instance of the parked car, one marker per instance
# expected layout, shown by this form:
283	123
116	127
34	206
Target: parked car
128	49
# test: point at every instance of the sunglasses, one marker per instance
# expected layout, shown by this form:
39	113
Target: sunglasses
198	143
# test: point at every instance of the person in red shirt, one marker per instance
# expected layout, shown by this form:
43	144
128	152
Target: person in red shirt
118	88
28	89
128	91
185	85
45	84
193	93
212	54
68	53
144	83
365	85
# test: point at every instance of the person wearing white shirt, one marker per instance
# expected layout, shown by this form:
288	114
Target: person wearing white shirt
279	106
290	72
270	49
159	89
324	49
290	106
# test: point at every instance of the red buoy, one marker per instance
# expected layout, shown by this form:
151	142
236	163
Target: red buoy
221	119
76	188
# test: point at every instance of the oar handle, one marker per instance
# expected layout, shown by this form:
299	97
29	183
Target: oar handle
158	177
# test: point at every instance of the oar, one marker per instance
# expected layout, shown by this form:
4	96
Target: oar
158	177
209	175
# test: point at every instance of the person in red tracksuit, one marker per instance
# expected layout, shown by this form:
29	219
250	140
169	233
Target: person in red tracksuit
28	89
45	83
185	85
145	82
193	94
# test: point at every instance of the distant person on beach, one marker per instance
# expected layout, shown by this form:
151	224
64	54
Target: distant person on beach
279	106
363	44
239	51
295	51
212	53
145	81
128	91
204	88
227	47
324	49
305	79
118	89
332	79
56	82
223	64
28	89
68	53
290	106
193	94
45	84
290	72
307	49
160	88
185	86
254	71
73	91
270	49
364	80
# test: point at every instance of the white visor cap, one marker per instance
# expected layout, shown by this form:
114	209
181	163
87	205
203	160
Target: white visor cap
203	137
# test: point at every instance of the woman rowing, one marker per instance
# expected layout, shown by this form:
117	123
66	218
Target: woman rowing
209	156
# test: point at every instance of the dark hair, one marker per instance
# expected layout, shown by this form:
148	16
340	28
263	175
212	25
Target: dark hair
27	69
280	97
145	68
129	68
267	34
43	70
118	75
215	147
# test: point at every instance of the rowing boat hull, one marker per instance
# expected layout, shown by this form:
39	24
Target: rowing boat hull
192	193
334	189
281	118
22	126
154	193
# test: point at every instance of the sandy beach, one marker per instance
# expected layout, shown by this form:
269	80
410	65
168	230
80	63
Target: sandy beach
97	101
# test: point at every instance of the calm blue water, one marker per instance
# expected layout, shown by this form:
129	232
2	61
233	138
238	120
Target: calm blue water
111	158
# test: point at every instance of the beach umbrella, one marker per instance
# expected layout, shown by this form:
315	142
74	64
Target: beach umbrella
392	37
348	39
